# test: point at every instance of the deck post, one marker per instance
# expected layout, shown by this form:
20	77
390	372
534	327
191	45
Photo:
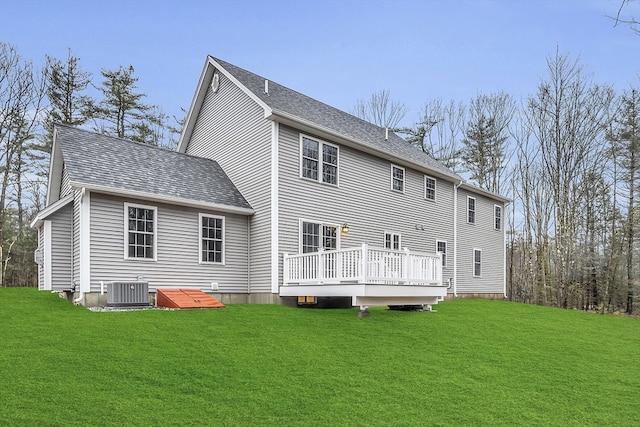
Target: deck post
320	264
285	268
363	263
407	268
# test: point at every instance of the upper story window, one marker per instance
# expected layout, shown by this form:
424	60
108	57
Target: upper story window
471	210
316	235
211	239
140	238
392	241
497	216
441	247
397	178
318	161
429	188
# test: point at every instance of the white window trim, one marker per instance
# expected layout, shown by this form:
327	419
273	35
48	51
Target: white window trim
321	224
495	217
126	231
475	209
320	162
473	268
224	238
435	188
384	240
446	245
404	178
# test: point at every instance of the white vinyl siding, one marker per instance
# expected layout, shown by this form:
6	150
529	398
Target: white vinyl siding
177	254
231	129
397	178
318	160
61	248
363	201
429	188
140	231
479	236
65	187
212	239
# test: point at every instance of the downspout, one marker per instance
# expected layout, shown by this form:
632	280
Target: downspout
81	291
455	238
248	254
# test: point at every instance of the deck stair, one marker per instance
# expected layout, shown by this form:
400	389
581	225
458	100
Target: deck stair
186	298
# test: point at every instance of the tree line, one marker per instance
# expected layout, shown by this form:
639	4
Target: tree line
32	100
568	156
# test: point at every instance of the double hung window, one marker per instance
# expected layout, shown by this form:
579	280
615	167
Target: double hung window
319	161
397	178
471	210
441	247
429	188
140	240
392	241
211	239
477	263
497	218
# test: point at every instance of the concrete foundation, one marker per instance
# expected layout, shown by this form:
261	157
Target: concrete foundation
451	297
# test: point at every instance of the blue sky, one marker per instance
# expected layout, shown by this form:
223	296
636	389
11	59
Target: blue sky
335	51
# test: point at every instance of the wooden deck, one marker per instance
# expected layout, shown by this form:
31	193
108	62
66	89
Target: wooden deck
370	276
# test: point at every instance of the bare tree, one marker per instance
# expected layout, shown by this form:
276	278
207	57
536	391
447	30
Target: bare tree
626	17
22	90
568	116
437	131
380	110
625	139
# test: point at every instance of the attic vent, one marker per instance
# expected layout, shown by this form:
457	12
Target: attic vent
125	294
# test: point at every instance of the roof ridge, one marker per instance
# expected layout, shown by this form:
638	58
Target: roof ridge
226	64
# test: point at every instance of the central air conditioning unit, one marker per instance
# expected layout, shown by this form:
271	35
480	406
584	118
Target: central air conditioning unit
127	294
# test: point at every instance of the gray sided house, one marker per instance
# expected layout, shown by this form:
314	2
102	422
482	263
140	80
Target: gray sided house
302	200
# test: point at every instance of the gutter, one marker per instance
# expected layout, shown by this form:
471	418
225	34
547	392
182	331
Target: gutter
162	199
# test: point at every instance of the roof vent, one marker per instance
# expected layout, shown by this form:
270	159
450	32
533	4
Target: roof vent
386	134
266	86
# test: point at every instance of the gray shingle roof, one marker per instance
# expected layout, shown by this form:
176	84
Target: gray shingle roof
281	98
95	160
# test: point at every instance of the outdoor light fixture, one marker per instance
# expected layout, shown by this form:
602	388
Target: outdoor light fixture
344	228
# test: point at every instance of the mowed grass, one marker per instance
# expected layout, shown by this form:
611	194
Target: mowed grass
470	363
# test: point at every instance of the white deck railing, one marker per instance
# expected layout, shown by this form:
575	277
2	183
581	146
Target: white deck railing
363	264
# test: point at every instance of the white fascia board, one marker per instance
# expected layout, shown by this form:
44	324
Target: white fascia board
275	129
49	210
477	190
163	199
198	99
85	241
56	163
47	256
306	125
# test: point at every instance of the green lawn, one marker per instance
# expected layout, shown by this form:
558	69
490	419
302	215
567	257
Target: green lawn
470	363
